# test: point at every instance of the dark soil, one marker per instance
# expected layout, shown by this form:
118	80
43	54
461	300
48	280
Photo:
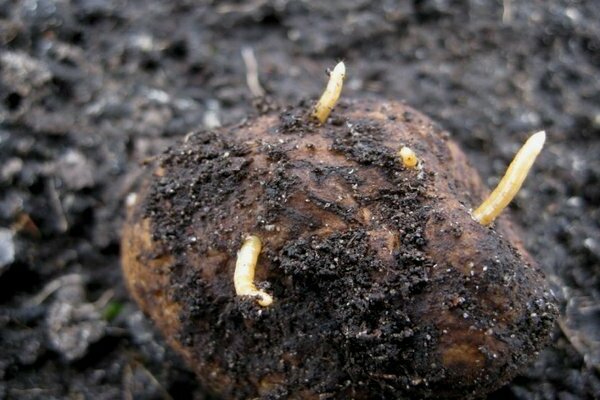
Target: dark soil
89	90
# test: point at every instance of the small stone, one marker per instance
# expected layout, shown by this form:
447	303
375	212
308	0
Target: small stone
32	350
143	336
11	168
75	170
73	325
7	248
23	72
592	245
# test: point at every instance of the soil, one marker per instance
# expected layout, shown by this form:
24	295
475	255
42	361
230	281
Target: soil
91	90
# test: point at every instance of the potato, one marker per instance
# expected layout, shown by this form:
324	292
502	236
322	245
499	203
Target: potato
383	284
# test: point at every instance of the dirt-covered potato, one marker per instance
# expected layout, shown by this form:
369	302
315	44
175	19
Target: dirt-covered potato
383	284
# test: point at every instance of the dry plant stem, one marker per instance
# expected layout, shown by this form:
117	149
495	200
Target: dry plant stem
512	181
408	156
331	94
243	277
252	72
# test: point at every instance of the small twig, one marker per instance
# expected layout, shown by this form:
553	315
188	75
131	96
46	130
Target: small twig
32	392
104	299
211	116
52	287
244	8
252	72
506	11
57	205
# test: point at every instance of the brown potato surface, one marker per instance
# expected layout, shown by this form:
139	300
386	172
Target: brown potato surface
384	285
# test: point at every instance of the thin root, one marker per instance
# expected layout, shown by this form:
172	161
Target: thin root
243	277
511	181
331	94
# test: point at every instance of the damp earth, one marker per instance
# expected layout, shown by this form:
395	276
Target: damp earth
91	91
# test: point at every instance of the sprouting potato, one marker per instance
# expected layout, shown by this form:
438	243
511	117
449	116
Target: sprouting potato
374	280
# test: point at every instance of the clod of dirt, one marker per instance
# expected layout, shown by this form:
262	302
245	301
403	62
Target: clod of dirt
581	325
383	283
73	324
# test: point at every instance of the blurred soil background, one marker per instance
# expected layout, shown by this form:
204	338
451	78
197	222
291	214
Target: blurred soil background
89	89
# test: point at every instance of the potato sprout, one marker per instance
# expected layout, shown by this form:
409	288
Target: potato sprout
408	157
331	94
512	181
243	277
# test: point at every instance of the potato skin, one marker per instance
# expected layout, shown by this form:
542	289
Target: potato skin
384	285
